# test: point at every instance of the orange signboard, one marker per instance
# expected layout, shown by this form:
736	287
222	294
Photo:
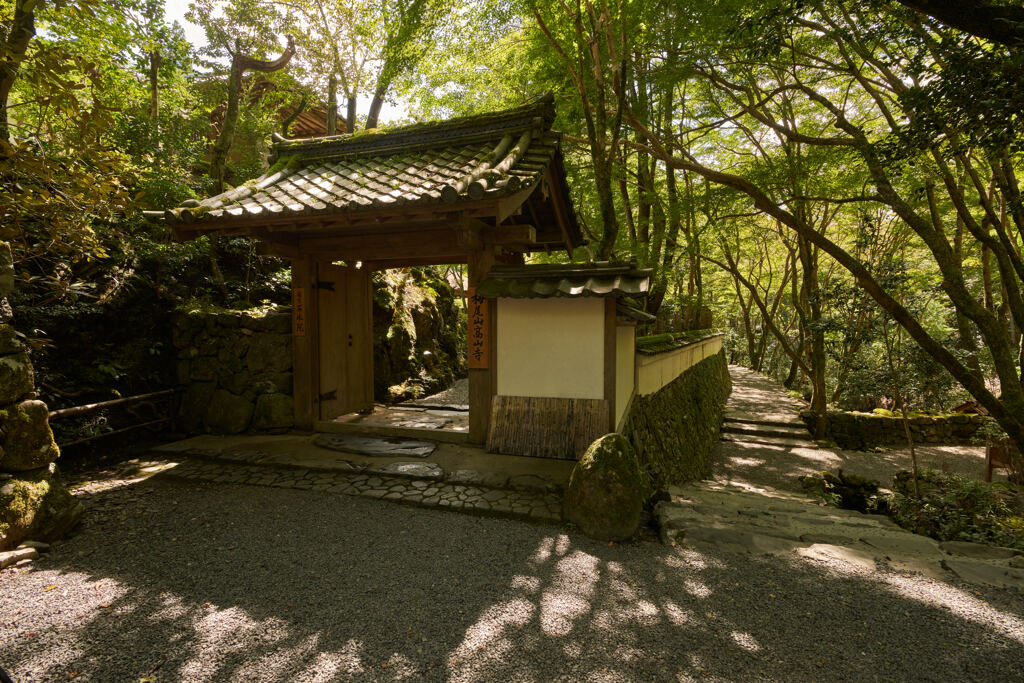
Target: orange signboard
478	339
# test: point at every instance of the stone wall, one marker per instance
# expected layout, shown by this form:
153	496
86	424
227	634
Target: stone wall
234	369
34	504
857	431
674	429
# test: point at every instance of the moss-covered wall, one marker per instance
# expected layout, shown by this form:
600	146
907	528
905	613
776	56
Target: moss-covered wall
674	429
234	369
859	431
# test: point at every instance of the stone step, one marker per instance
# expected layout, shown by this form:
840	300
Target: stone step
786	442
763	430
766	421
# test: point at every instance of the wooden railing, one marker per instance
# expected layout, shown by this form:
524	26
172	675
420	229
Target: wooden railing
131	404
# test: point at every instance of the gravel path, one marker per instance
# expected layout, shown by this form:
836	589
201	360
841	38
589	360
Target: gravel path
181	580
456	396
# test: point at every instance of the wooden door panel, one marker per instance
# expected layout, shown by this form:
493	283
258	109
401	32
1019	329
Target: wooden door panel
345	340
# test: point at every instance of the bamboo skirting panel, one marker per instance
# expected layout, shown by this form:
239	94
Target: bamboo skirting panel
546	427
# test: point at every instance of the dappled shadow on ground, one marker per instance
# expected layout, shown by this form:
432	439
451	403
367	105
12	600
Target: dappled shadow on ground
780	467
183	581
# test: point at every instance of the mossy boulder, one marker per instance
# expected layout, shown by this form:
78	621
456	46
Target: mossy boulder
274	411
26	437
36	505
16	378
607	490
228	413
9	341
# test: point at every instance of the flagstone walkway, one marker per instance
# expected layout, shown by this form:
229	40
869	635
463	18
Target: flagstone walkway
753	503
503	486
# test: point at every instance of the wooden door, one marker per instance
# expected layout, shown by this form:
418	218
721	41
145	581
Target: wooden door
345	340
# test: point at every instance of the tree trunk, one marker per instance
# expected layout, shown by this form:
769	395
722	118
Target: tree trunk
815	333
332	105
350	115
218	163
22	31
240	64
373	116
155	61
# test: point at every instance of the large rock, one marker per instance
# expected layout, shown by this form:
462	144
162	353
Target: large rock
36	505
16	377
607	490
274	411
228	413
26	437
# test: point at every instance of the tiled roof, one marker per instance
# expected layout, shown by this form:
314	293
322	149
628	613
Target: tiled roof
669	341
565	280
442	163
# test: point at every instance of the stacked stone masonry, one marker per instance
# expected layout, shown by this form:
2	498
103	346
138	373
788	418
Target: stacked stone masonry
235	370
34	504
674	429
858	431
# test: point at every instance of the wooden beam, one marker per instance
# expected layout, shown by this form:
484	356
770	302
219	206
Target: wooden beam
510	234
442	260
510	204
387	246
609	359
561	212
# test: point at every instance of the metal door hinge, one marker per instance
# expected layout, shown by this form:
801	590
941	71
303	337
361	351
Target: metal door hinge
331	395
320	284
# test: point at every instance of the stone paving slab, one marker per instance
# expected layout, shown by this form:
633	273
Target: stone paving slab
412	483
733	520
375	446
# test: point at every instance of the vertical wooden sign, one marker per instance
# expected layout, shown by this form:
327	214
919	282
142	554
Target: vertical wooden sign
478	339
299	312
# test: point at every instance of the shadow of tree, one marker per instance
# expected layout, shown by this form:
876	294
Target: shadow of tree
190	581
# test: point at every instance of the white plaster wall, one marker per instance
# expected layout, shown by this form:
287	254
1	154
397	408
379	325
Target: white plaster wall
654	372
551	348
625	362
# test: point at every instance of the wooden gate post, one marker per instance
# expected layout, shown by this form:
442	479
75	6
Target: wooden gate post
482	380
305	329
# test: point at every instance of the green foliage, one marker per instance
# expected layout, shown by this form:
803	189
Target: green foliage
955	508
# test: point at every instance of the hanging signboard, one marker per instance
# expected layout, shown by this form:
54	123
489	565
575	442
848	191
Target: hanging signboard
299	312
478	340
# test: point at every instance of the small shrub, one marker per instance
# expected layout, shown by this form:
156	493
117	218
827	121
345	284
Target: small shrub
955	508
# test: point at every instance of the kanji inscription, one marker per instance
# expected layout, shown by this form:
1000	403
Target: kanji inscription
299	312
479	337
